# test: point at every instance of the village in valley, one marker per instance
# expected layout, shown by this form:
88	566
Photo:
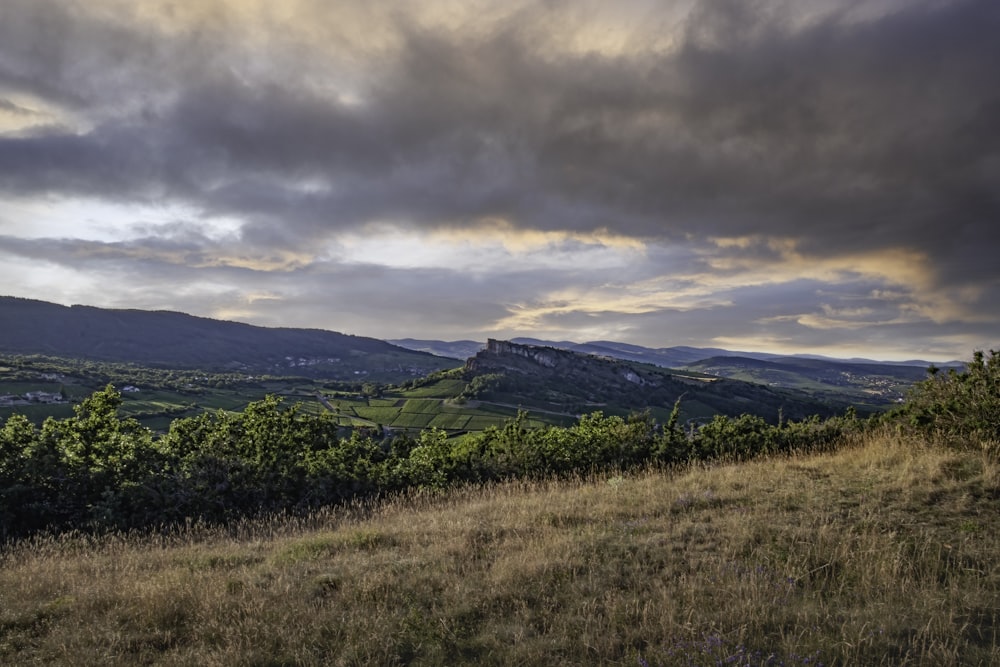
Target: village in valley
39	397
36	397
32	397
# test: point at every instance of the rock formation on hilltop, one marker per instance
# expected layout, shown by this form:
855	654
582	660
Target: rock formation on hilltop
579	383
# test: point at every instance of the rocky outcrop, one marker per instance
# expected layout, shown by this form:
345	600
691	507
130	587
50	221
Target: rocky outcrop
576	382
543	356
505	356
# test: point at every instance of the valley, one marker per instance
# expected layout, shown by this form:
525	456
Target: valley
180	366
527	502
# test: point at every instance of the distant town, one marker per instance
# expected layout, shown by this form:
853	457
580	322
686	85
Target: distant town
47	397
32	397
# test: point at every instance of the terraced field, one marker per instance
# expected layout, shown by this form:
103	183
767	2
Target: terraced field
430	406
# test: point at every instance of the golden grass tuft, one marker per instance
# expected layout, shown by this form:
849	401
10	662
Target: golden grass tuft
885	552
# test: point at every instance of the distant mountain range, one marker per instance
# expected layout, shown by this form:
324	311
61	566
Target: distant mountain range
456	349
177	340
861	382
669	357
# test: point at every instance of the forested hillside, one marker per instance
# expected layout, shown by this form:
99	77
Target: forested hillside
177	340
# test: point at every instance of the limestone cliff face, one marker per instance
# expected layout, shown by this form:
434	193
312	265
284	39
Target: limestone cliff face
543	356
502	355
575	382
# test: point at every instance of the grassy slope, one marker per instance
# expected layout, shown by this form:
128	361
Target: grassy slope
881	553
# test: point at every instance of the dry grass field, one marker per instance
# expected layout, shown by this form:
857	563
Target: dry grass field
884	552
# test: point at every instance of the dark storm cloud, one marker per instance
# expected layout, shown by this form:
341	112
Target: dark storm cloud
838	133
843	134
10	107
183	270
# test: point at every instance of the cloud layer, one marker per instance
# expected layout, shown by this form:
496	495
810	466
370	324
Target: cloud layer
794	176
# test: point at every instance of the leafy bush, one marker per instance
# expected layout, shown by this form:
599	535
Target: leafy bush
958	408
98	471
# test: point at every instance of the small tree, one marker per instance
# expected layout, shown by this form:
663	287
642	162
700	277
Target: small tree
673	445
960	408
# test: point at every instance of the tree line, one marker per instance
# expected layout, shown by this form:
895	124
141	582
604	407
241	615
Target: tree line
98	471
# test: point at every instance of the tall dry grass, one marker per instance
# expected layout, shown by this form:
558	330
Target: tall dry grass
882	553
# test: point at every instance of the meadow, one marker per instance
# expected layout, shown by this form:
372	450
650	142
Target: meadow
611	542
883	552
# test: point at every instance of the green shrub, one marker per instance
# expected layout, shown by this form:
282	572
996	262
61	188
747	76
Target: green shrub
99	471
958	408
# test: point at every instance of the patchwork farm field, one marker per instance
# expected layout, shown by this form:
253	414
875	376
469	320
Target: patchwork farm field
158	396
413	410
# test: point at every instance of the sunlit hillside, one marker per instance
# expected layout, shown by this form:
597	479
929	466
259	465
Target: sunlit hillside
885	552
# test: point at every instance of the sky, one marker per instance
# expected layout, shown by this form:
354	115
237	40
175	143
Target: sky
809	176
